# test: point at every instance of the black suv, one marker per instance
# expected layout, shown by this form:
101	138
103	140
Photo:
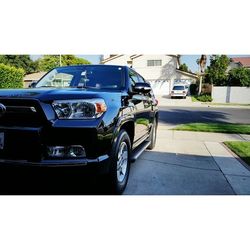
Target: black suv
98	117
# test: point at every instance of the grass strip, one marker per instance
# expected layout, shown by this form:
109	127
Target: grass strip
216	127
242	149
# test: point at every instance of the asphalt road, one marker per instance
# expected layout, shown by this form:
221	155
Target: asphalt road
179	115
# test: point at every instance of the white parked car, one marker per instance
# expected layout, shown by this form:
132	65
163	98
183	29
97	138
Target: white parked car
179	90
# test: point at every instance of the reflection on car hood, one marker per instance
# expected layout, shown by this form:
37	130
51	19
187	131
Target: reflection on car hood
50	94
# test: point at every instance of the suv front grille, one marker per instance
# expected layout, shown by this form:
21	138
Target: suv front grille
24	113
21	145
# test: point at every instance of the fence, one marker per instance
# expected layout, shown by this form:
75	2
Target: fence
231	95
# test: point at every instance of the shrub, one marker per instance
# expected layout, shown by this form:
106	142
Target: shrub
11	77
204	98
239	77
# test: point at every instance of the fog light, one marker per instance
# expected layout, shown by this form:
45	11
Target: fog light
74	151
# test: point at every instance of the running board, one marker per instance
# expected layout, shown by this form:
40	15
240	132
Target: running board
139	150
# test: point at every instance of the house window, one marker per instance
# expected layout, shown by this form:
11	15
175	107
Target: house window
154	63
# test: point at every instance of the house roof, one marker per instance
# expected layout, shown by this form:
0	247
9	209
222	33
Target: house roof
244	61
187	73
135	56
34	76
111	58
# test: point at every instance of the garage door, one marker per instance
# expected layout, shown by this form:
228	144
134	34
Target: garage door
160	87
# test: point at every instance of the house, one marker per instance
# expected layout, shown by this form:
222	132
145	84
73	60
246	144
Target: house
237	62
33	77
162	71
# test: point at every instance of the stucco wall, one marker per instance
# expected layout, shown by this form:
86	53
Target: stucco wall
190	79
231	95
162	78
166	71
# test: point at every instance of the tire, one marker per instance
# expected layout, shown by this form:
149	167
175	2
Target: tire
120	154
152	136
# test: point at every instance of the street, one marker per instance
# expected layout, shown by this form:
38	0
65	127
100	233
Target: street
172	116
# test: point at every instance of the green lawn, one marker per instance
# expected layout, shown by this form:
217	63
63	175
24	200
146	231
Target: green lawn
242	149
216	127
226	104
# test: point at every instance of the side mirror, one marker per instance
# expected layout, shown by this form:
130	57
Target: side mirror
33	84
142	87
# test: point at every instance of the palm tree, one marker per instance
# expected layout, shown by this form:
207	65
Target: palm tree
202	64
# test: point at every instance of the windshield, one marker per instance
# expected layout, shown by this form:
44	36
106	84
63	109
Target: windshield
178	88
97	77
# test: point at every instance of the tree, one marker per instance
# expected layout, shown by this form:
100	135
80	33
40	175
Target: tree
239	77
216	73
20	61
184	67
11	77
49	62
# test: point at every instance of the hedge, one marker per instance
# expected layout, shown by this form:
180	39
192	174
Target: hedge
204	98
10	77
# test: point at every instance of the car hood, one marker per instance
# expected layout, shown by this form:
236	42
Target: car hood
50	94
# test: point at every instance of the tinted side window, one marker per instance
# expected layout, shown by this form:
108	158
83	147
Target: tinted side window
133	78
140	79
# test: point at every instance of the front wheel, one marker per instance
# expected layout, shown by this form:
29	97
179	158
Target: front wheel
120	163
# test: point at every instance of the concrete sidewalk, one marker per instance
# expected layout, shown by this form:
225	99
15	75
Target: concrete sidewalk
189	163
200	136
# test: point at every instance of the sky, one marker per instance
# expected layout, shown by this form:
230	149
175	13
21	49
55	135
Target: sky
189	60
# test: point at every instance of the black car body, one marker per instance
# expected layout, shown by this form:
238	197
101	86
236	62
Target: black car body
73	117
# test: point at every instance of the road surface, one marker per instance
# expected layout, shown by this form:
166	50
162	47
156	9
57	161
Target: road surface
172	116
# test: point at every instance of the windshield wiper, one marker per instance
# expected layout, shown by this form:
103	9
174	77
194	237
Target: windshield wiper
45	86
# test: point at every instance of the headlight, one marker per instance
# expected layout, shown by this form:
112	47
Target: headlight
79	109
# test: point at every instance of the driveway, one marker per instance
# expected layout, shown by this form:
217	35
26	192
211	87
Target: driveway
189	163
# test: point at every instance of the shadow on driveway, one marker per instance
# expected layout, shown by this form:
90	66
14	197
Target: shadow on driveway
160	173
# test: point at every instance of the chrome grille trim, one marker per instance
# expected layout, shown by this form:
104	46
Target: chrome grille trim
20	109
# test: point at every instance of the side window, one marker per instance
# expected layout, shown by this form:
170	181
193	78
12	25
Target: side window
140	79
133	78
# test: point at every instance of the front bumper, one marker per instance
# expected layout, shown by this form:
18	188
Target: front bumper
99	165
57	163
178	94
28	146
